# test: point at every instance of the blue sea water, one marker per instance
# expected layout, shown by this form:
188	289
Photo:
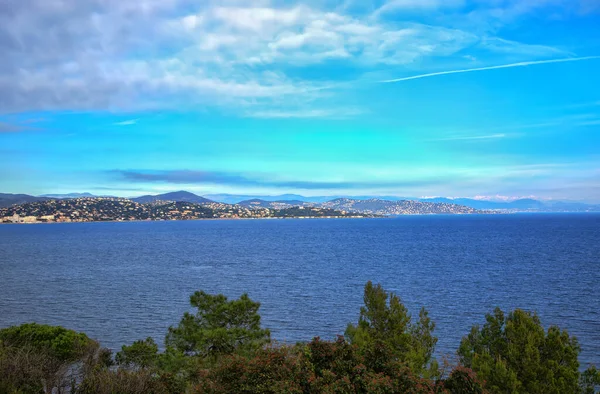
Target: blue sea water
120	282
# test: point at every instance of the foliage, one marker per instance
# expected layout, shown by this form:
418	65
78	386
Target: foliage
270	370
223	349
22	369
36	358
316	367
590	381
58	342
141	354
106	381
384	322
514	354
219	327
464	380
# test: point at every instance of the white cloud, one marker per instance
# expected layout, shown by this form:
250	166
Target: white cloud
404	5
118	54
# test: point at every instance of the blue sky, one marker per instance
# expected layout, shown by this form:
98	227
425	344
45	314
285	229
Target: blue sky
460	98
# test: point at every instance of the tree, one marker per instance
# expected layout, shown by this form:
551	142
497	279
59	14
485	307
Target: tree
46	357
316	367
514	354
384	323
218	327
590	380
142	354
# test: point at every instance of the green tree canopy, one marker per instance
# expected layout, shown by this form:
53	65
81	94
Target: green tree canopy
58	342
514	354
218	327
385	323
39	358
141	354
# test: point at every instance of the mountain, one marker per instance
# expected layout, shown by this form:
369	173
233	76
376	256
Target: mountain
522	204
237	198
7	199
403	207
369	203
70	195
572	206
182	196
293	198
281	204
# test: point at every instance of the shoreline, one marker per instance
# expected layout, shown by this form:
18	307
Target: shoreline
313	217
207	219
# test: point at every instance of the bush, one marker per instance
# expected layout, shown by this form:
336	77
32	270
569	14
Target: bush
106	381
316	367
36	357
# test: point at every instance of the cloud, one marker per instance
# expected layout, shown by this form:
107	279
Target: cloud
10	128
190	177
183	54
341	113
404	5
520	64
129	122
473	137
595	122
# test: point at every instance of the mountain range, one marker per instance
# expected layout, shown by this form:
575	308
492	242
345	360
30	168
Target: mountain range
367	203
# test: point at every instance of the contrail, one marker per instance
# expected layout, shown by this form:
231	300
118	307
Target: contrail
470	70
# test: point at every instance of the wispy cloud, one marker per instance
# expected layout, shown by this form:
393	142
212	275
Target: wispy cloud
595	122
341	113
10	128
472	137
511	65
403	5
126	122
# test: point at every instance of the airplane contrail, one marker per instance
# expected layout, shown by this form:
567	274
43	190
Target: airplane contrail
469	70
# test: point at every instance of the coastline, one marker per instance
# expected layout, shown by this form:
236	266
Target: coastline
208	219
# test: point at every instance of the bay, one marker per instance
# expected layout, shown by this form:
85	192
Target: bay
120	282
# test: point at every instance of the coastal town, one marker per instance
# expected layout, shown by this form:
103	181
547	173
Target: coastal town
375	206
100	209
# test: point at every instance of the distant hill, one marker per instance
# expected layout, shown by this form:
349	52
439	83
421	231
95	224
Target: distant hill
69	195
238	198
403	207
571	206
369	203
522	204
181	196
7	199
282	204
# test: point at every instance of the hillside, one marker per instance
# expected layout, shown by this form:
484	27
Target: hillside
282	204
180	196
122	209
403	207
7	199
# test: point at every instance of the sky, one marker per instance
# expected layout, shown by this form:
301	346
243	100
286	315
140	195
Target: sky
492	99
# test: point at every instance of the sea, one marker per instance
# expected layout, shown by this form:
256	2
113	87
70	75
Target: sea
120	282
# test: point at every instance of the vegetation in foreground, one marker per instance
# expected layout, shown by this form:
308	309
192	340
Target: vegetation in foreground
222	348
